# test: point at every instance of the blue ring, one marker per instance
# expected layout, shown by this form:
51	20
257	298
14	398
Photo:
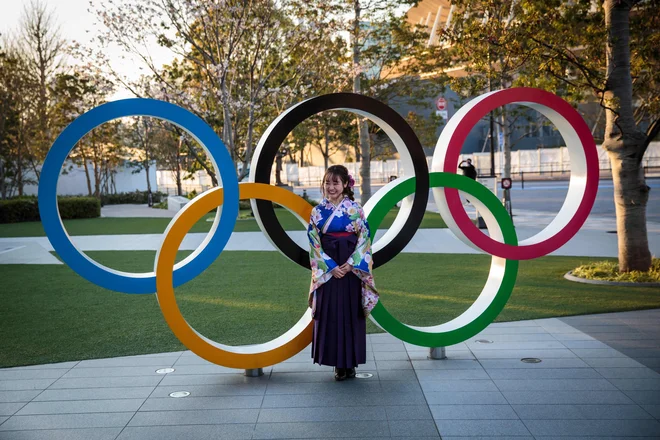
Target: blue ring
52	223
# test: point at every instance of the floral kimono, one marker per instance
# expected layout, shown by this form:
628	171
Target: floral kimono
348	216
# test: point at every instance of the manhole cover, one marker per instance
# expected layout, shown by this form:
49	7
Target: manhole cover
483	341
363	375
165	370
530	360
180	394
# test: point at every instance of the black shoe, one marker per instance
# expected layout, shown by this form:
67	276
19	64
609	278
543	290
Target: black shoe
350	373
340	374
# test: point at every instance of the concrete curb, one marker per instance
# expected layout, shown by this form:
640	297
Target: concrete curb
570	277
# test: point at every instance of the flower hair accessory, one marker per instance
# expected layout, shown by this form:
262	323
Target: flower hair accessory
351	181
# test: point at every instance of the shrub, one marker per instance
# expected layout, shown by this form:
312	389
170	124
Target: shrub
609	271
135	197
26	209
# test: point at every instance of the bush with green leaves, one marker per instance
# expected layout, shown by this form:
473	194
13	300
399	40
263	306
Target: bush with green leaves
609	271
135	198
26	209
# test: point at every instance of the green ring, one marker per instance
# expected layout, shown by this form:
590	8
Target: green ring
419	335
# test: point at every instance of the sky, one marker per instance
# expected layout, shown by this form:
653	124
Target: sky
76	23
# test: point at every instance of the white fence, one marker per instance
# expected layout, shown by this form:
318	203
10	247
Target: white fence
541	161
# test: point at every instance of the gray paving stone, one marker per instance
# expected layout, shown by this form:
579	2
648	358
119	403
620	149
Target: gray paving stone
515	337
597	353
390	356
393	365
81	406
585	344
204	369
425	375
18	396
63	434
396	386
194	432
518	345
473	412
23	374
299	367
314	400
491	437
321	414
194	403
641	352
654	410
95	394
490	364
563	353
346	387
644	397
596	438
211	379
112	372
610	337
306	377
389	347
413	428
459	385
359	429
636	384
631	428
553	384
627	373
67	421
27	384
619	329
195	417
133	361
581	412
397	375
492	331
566	397
107	382
57	366
408	412
9	409
446	364
464	397
620	362
382	338
3	419
544	373
476	428
247	389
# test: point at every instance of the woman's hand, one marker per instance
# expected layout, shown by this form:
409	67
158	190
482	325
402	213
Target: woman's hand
338	272
346	268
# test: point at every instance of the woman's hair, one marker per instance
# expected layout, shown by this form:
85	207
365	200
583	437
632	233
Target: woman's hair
341	172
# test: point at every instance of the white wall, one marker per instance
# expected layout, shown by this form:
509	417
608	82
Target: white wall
74	182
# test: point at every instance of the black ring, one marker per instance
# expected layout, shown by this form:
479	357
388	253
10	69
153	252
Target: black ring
286	122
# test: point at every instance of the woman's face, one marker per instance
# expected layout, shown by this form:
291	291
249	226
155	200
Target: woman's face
333	187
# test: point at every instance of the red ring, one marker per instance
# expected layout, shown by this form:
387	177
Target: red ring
481	109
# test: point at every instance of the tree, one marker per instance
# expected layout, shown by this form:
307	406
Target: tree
580	50
231	59
42	46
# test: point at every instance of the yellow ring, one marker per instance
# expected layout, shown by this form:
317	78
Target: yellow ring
248	356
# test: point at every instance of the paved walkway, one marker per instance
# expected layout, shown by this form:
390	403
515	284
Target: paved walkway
583	388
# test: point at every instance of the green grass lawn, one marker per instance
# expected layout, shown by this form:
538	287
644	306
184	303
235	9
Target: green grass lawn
50	314
115	225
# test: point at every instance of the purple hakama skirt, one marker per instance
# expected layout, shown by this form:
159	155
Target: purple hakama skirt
340	328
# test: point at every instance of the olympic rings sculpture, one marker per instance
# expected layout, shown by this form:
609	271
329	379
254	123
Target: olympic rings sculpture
412	190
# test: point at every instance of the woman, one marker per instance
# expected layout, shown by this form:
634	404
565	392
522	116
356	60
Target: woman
342	293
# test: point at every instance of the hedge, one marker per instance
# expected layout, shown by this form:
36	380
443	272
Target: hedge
26	209
135	197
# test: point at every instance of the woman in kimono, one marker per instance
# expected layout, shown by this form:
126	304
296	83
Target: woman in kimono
342	292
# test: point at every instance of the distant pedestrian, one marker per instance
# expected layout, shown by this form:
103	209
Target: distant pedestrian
468	170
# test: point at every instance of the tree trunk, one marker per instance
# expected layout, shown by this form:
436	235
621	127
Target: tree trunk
363	129
623	142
